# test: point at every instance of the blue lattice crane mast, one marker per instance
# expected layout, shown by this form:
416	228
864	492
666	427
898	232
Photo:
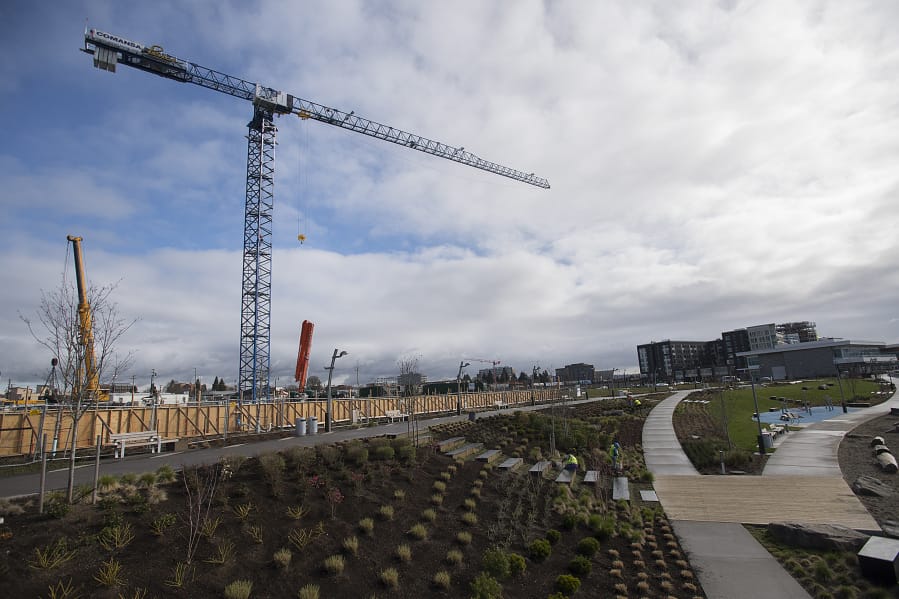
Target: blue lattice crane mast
109	50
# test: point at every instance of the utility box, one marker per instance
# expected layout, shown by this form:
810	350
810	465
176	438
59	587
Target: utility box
879	560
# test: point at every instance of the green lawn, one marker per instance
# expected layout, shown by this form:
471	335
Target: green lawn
739	404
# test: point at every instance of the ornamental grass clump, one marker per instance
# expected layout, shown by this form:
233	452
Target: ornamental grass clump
334	565
110	574
367	525
442	580
239	589
282	558
463	538
309	591
351	545
469	518
386	512
439	486
454	557
390	577
404	553
418	532
429	515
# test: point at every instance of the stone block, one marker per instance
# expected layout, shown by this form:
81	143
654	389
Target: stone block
817	536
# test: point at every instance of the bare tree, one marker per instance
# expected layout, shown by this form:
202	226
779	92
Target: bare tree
59	328
408	366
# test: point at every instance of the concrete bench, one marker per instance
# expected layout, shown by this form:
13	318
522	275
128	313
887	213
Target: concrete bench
450	444
539	468
135	439
392	415
566	477
591	477
499	405
491	455
511	464
620	489
463	452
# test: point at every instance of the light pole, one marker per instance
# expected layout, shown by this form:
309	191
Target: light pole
758	417
462	365
330	370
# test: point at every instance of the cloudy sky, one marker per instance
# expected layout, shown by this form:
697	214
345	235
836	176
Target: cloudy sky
713	165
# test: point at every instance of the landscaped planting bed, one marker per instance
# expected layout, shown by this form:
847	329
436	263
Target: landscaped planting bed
377	518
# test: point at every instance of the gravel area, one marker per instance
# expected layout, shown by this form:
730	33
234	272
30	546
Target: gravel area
856	459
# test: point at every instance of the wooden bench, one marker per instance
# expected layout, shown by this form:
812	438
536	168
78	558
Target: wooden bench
466	450
620	489
511	464
392	415
590	478
135	439
539	468
489	456
450	444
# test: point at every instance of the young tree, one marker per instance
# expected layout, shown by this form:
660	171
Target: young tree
59	328
408	365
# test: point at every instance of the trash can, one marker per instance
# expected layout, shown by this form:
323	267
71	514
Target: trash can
767	440
301	427
471	416
312	425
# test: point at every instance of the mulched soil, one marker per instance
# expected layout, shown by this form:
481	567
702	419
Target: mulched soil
856	460
640	558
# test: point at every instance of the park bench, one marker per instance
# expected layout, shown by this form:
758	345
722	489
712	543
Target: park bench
395	415
450	444
590	477
489	456
566	477
499	405
511	464
620	489
135	439
540	467
463	452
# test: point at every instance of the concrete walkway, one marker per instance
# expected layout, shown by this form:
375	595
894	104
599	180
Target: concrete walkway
661	449
707	511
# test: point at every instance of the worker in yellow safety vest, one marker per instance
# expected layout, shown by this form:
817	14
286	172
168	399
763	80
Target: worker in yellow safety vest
570	462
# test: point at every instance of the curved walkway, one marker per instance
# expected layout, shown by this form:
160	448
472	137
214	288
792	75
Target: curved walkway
707	512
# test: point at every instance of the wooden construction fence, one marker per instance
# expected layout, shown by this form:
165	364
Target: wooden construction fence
20	430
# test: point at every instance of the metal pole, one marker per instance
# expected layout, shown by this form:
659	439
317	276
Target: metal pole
40	503
96	473
758	418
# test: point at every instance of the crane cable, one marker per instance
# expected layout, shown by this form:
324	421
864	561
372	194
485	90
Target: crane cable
302	180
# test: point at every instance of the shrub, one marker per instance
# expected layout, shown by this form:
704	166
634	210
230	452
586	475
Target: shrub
224	552
517	565
296	512
822	571
57	506
243	510
485	586
454	557
588	546
553	536
496	563
351	545
390	577
330	455
384	453
539	550
442	579
470	518
52	556
165	474
419	532
113	538
367	525
309	591
334	564
463	538
282	558
386	512
580	565
357	454
569	521
147	479
239	589
110	574
568	584
129	478
405	453
602	527
107	482
162	523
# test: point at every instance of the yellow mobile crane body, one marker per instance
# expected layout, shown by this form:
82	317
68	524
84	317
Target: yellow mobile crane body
88	371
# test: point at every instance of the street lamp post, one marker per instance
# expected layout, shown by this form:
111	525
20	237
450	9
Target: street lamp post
462	365
330	369
758	416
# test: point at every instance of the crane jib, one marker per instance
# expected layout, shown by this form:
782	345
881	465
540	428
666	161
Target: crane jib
109	49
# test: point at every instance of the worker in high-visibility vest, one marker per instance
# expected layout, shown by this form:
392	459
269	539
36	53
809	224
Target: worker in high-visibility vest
615	454
570	462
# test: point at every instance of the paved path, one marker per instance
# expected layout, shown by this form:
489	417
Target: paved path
707	512
661	448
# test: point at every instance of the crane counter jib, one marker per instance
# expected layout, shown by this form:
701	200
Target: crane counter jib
110	50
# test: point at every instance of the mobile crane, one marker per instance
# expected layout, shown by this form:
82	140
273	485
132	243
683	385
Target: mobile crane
108	50
87	378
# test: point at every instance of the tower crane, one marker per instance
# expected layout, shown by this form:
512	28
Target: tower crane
109	50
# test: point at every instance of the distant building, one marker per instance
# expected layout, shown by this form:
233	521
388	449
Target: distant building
673	361
797	332
573	373
824	357
763	336
508	371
